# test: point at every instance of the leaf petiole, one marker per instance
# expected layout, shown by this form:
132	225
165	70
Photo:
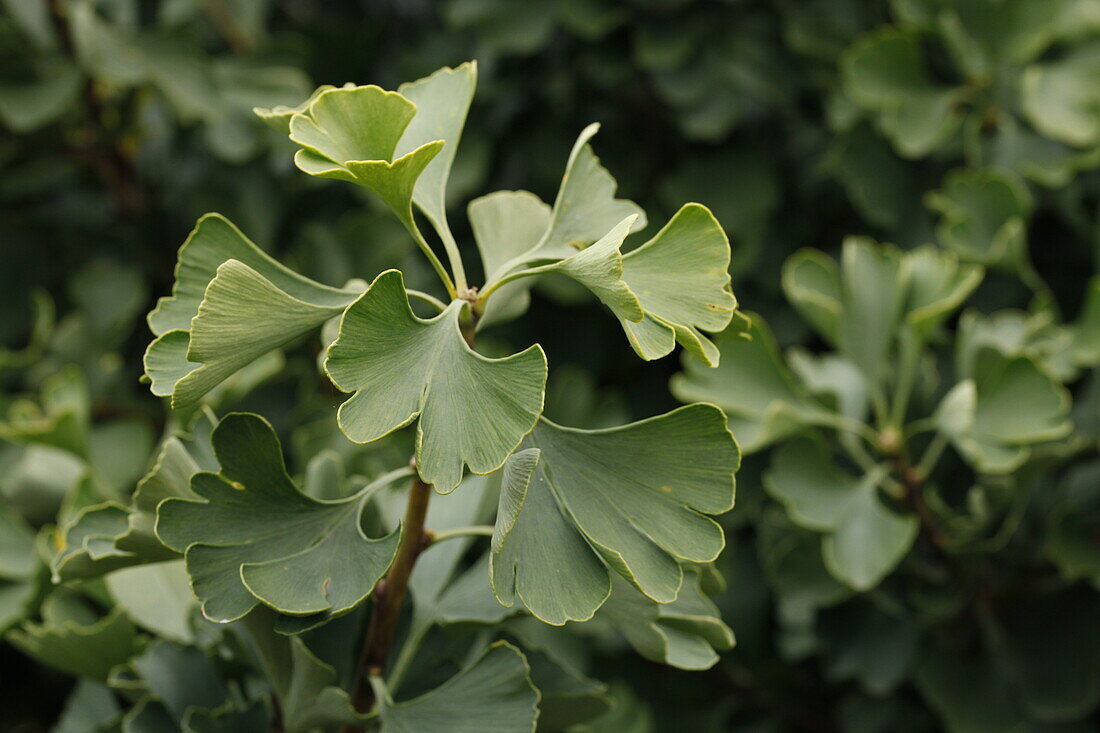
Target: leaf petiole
481	530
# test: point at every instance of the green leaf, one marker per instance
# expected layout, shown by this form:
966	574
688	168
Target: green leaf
305	686
984	216
599	267
873	294
351	134
179	677
1008	405
442	101
312	698
632	499
1016	333
811	282
1060	98
230	305
19	568
585	208
884	72
493	694
90	708
470	410
156	597
506	224
83	650
566	697
1086	331
278	117
761	399
686	633
937	285
257	538
681	279
863	539
104	537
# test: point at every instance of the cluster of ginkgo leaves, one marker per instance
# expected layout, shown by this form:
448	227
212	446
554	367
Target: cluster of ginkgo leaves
610	523
903	461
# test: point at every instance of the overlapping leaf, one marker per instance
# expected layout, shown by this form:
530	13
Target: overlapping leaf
470	410
576	505
231	304
255	537
681	279
984	216
109	536
493	694
885	72
1006	406
686	633
863	539
442	101
507	224
19	568
351	134
1060	98
761	399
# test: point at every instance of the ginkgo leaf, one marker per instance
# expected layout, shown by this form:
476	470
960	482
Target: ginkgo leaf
1060	98
493	694
80	649
470	410
863	540
109	536
585	208
984	216
681	279
278	117
584	211
506	224
937	285
811	282
351	134
578	504
687	633
231	304
761	399
255	537
442	101
884	72
19	568
872	287
599	267
1007	405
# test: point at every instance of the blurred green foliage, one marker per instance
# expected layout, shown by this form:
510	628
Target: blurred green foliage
973	125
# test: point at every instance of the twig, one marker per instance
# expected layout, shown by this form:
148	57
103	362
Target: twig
389	595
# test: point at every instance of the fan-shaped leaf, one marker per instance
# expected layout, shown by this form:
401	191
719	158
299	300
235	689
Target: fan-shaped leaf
760	397
863	539
471	410
230	305
681	278
494	694
1009	404
351	134
686	633
257	538
576	503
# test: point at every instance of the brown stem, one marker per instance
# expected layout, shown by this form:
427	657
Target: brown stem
105	155
389	594
913	483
